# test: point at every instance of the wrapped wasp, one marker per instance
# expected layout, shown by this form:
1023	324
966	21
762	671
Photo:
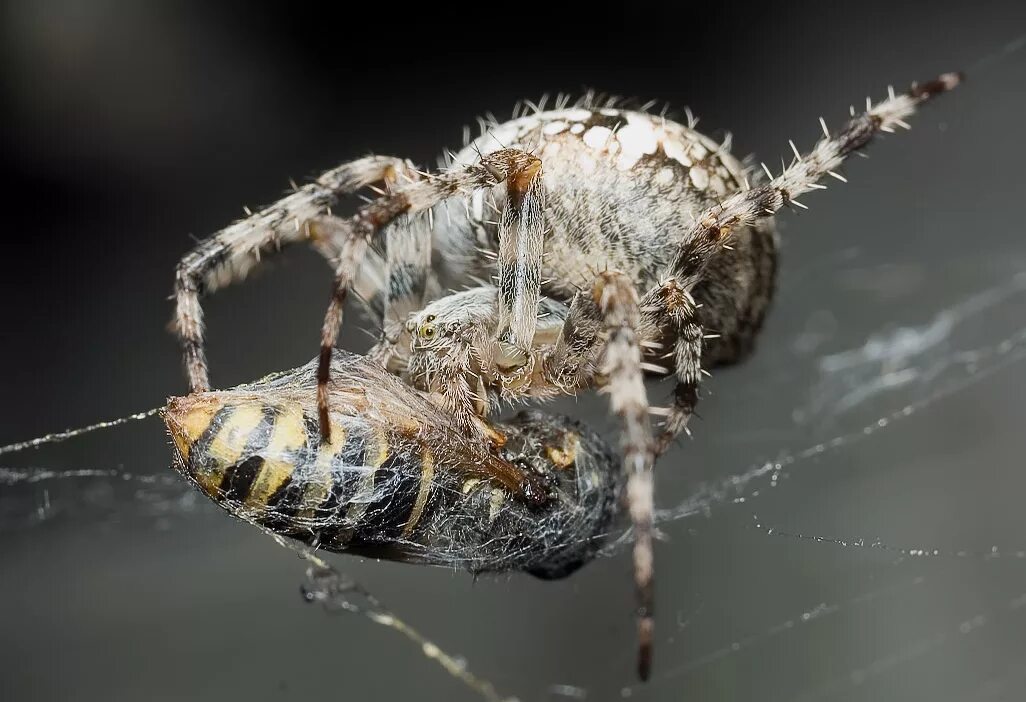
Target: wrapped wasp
397	480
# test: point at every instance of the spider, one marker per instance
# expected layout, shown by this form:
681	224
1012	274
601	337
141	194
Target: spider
587	245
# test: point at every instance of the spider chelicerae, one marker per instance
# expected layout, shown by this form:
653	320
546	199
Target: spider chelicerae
587	245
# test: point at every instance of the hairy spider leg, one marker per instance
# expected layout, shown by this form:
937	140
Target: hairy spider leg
623	381
712	229
230	254
521	244
611	320
671	304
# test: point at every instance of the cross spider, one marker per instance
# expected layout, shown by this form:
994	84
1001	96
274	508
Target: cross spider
653	250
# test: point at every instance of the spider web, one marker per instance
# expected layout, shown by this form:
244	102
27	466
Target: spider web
847	523
858	398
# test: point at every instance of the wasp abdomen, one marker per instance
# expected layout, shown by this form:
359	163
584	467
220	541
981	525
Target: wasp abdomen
264	461
397	480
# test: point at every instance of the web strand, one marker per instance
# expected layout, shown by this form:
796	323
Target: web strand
58	437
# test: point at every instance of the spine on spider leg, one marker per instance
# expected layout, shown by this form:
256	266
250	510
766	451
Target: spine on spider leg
829	153
712	228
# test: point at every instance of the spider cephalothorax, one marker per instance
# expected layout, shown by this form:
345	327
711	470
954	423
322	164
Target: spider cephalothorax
586	244
450	343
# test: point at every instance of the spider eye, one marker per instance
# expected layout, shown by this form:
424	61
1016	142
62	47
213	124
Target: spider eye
427	331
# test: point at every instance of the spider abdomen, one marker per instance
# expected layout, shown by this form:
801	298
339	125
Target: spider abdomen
622	190
621	187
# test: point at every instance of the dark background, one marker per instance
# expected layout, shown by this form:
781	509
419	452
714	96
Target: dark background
130	127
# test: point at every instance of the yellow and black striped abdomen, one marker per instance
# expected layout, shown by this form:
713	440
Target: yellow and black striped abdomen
264	461
398	480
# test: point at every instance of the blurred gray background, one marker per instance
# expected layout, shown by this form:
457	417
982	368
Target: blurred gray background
130	128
